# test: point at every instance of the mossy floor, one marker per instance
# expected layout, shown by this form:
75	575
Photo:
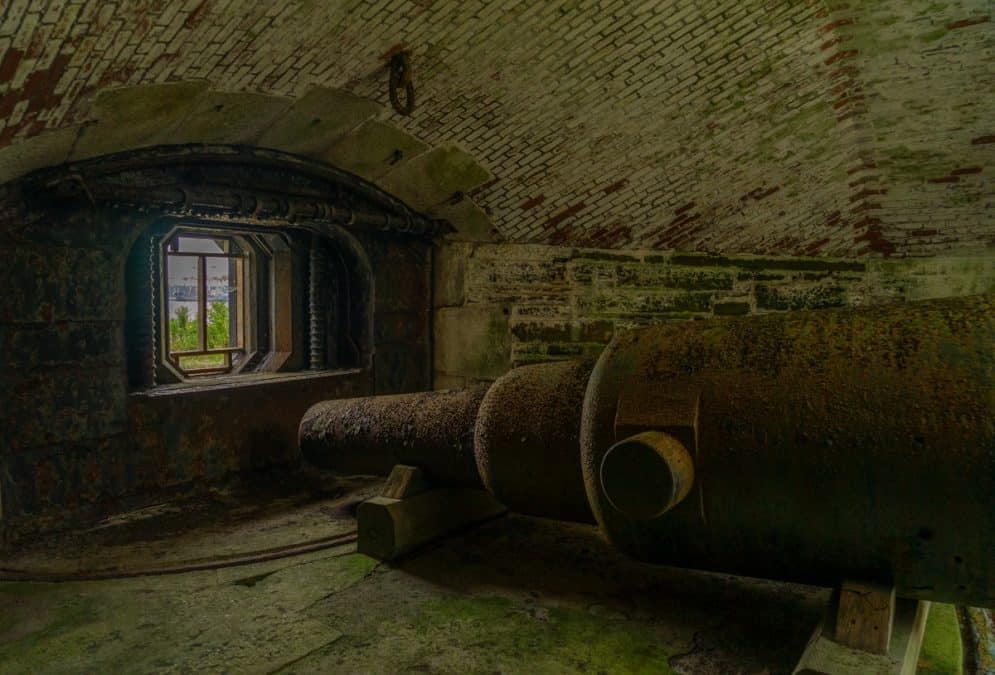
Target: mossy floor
941	647
517	595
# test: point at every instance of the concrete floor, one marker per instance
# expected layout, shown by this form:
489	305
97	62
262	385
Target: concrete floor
516	595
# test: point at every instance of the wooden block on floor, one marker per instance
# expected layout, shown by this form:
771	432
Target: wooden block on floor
825	656
404	481
865	615
388	528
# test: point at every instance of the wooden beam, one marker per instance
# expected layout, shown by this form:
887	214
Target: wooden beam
825	655
388	528
865	616
404	481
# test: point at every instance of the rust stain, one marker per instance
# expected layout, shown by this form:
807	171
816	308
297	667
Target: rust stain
839	56
687	207
865	165
484	187
866	206
830	43
847	100
964	23
863	179
564	214
760	193
197	16
393	49
815	247
39	91
8	67
615	187
845	70
876	240
532	202
867	192
836	24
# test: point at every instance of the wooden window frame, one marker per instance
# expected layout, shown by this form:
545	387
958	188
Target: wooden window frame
244	300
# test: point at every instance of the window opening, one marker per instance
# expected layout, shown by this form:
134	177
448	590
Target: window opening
212	300
206	278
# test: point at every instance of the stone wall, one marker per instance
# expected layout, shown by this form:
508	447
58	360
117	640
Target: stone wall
499	306
76	443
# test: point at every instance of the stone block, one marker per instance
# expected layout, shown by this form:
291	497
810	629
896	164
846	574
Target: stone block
597	331
317	121
229	118
434	177
50	148
136	117
731	308
442	381
449	272
472	341
471	222
372	149
922	279
644	275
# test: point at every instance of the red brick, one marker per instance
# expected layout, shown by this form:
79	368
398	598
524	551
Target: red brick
564	214
532	202
964	23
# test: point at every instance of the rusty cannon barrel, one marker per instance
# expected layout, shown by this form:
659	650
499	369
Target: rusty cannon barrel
527	440
811	446
817	447
432	430
518	438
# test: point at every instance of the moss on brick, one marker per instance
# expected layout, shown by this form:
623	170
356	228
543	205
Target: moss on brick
593	331
795	298
707	260
731	308
666	276
606	256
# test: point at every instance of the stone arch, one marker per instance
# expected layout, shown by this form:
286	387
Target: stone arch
328	128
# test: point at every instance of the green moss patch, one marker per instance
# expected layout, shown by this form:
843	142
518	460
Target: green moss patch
942	653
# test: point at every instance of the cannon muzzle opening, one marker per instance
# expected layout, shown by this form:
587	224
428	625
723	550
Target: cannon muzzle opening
646	475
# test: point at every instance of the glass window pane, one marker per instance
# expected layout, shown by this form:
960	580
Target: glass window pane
222	302
182	295
203	362
188	244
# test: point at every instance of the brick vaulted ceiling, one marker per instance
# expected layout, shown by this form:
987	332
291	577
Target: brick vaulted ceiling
803	127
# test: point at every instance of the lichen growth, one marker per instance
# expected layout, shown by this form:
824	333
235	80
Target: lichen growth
941	653
502	636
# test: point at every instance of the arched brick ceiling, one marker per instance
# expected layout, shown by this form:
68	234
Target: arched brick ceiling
797	127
